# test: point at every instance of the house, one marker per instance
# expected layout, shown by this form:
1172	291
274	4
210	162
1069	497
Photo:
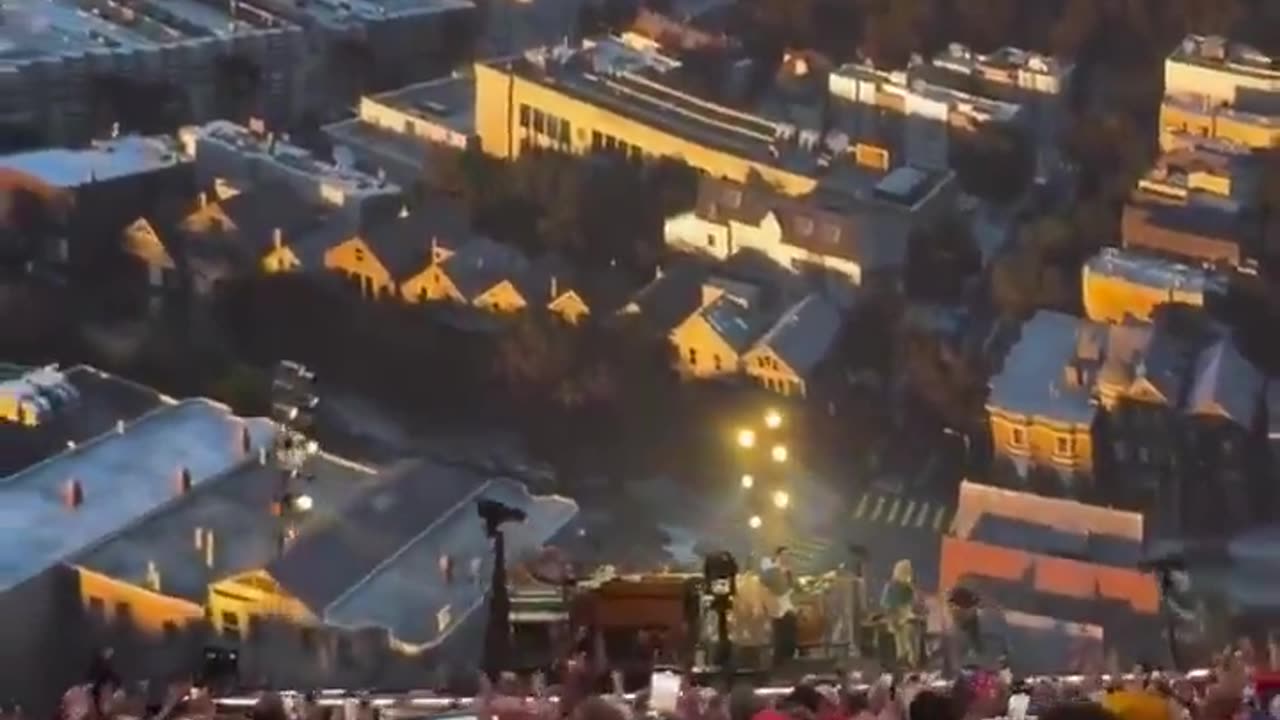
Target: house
669	298
710	343
786	358
268	228
393	259
1040	406
861	239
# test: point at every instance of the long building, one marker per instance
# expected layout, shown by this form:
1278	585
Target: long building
607	97
1222	89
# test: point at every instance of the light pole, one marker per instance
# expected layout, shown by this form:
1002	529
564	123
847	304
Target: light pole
764	455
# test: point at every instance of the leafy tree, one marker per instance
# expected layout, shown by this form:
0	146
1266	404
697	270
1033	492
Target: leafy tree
993	163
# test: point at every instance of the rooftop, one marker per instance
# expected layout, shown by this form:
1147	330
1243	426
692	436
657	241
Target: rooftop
104	160
343	12
449	101
1205	104
269	148
804	334
612	80
100	401
394	596
123	477
1031	381
960	58
1219	52
1154	272
235	510
44	28
737	324
918	85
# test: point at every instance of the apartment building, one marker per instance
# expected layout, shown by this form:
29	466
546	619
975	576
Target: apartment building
1196	208
1041	84
608	97
55	57
1222	89
915	114
243	157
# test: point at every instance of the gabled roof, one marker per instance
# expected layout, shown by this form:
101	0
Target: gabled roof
1226	385
403	244
803	336
739	326
480	264
1068	516
259	211
1032	381
326	564
670	297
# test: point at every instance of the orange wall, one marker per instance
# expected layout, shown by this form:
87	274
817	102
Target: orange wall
149	610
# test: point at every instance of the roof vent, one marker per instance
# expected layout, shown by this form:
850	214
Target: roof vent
73	494
119	427
153	576
184	481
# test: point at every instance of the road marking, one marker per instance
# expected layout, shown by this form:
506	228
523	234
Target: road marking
893	513
923	517
906	514
862	506
875	514
937	519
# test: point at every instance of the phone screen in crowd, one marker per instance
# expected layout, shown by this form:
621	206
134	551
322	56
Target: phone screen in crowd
664	691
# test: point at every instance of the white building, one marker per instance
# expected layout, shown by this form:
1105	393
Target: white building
860	239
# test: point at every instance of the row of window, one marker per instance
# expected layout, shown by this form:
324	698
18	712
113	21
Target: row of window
556	129
603	142
1063	445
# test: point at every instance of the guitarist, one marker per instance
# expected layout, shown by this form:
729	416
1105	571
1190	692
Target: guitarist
777	579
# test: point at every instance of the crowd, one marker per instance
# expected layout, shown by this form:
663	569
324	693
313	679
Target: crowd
1236	689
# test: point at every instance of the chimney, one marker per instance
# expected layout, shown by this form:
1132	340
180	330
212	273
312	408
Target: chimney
202	200
404	211
73	494
555	288
277	238
208	549
119	427
657	272
198	540
184	481
153	576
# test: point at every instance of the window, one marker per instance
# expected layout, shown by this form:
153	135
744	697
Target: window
539	121
733	198
124	613
716	360
597	141
524	116
1119	450
693	356
711	240
565	131
255	628
308	637
230	620
1018	438
553	126
170	631
804	226
1062	445
97	608
359	255
408	127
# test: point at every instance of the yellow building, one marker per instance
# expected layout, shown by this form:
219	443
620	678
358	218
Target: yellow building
1195	114
787	358
146	609
553	102
1118	284
1040	408
710	342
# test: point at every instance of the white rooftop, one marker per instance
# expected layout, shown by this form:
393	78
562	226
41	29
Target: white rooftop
339	12
123	476
105	160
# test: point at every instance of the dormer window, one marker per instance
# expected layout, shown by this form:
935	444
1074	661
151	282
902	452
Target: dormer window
804	226
733	198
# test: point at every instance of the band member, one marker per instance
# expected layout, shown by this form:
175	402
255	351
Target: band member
977	635
777	579
898	600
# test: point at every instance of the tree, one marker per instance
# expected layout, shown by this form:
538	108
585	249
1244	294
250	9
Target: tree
994	163
237	80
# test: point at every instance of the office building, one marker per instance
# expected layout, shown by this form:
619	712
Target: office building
608	97
59	59
243	157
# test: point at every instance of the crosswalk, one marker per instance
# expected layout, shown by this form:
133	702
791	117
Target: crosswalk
901	511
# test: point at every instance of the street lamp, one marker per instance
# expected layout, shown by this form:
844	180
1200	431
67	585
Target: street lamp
748	482
779	453
303	503
746	438
755	522
781	499
773	419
